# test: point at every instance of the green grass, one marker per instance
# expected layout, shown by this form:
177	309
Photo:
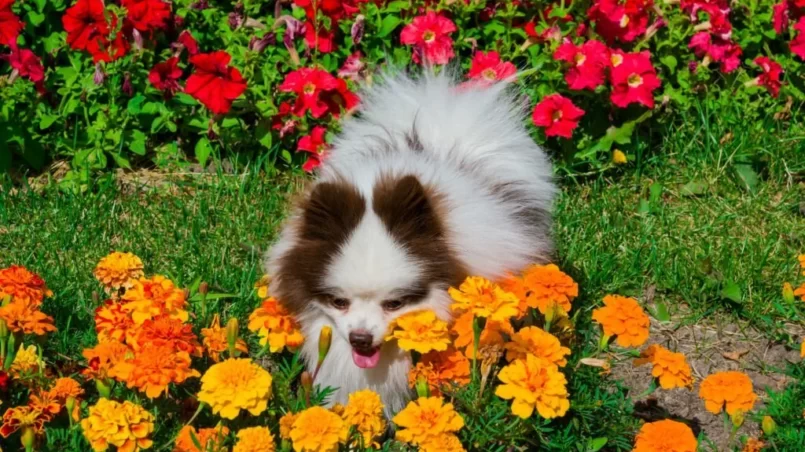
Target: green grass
622	232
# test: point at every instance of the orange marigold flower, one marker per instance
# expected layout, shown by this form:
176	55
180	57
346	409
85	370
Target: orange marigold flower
665	436
800	292
623	317
421	331
153	369
538	342
286	424
275	326
210	439
533	384
318	430
254	439
491	335
103	358
23	285
126	426
802	349
64	388
753	445
442	443
484	298
730	388
801	259
542	287
25	318
113	323
670	368
364	410
215	340
21	417
169	332
149	298
119	270
425	419
46	403
440	369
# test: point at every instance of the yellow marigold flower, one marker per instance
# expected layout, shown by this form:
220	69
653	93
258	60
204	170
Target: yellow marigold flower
533	384
262	287
149	298
440	369
153	369
64	388
26	362
424	420
318	430
623	317
118	270
210	439
113	323
275	326
730	388
215	341
23	286
21	417
25	318
800	292
364	410
126	426
234	385
442	443
491	335
421	331
166	332
538	342
103	358
664	436
254	439
543	287
286	424
801	259
484	299
670	368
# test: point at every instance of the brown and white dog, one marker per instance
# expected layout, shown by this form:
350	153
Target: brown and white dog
429	183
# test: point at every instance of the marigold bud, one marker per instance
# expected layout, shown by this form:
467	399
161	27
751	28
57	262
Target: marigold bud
422	388
325	339
232	332
788	293
27	438
768	425
103	387
737	418
203	288
618	157
307	381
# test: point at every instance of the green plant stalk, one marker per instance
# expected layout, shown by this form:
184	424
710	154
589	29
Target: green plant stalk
476	342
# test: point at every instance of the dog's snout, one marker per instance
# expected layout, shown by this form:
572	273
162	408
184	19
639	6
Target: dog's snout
360	339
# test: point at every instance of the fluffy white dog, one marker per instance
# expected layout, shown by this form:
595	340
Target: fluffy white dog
429	183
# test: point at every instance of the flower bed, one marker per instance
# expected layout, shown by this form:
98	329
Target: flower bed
150	82
164	366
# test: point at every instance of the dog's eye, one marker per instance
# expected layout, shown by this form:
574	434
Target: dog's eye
340	303
392	305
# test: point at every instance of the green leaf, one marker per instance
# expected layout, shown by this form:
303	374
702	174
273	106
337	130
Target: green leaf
184	98
5	161
397	6
137	144
203	151
228	123
387	25
286	156
120	160
135	104
597	444
655	192
748	177
693	188
264	136
732	292
670	62
47	121
661	313
35	18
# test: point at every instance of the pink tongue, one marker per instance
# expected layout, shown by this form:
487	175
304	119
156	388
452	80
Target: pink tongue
366	361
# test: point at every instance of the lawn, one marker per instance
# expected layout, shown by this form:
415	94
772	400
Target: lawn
703	246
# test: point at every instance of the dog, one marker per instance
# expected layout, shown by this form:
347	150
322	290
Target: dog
430	182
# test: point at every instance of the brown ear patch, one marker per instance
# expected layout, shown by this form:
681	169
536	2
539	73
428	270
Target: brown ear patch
411	213
327	217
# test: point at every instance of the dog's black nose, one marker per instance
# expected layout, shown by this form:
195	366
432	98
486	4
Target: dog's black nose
360	339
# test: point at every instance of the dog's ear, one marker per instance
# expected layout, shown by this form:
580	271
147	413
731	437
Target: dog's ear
406	209
331	211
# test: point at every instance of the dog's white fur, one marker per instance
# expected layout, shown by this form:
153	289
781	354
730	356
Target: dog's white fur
472	138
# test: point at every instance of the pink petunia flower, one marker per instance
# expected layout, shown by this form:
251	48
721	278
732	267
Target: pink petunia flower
316	146
588	63
634	80
770	78
557	115
430	36
486	68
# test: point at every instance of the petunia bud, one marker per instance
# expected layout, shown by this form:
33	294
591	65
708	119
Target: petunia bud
27	438
235	20
200	5
693	66
422	387
258	44
768	425
788	293
99	76
138	40
618	157
358	29
232	336
126	88
325	339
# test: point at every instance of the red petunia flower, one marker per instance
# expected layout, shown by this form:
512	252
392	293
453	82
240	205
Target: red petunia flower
321	38
487	68
713	48
318	91
281	122
334	9
429	34
214	83
634	80
4	379
588	63
780	17
621	22
315	145
797	44
187	40
26	63
692	7
557	115
84	22
165	76
10	24
102	49
147	15
770	78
